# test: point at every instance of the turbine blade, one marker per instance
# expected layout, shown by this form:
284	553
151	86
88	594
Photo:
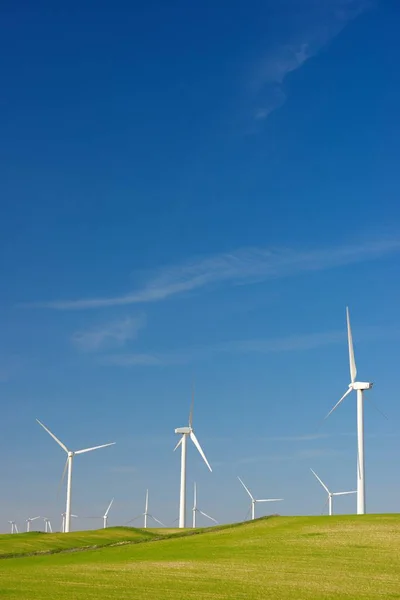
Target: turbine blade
196	443
208	516
53	436
320	480
325	504
340	401
108	508
270	500
134	519
195	496
63	475
94	448
191	409
353	368
179	443
157	521
343	493
34	518
247	514
246	488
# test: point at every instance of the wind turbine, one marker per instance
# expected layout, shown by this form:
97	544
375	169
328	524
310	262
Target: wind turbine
196	510
29	521
331	494
359	387
47	525
254	500
146	514
187	432
68	464
105	516
63	520
14	528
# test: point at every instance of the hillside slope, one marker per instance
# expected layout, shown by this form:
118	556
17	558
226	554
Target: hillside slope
281	558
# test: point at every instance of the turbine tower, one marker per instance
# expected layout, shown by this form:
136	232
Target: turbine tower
47	525
68	465
196	510
331	494
186	432
29	521
254	500
14	528
359	387
63	520
146	514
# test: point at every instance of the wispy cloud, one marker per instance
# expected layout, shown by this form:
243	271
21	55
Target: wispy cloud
317	24
301	455
299	438
293	343
243	266
116	333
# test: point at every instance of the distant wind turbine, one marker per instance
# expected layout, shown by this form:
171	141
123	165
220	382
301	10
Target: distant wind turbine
14	528
29	521
47	525
146	514
331	494
254	500
104	517
187	432
196	510
360	387
68	465
63	515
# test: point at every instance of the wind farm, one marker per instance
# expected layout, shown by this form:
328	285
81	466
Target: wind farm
187	434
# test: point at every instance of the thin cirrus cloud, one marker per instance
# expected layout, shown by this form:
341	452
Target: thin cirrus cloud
301	342
115	333
241	267
317	24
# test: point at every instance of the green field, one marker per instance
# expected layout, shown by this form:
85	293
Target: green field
276	558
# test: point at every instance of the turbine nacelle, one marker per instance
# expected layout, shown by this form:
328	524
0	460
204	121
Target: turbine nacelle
361	385
184	430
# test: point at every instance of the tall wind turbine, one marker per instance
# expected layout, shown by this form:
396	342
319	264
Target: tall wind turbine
146	514
359	387
14	528
68	465
187	432
29	521
196	510
254	500
47	525
331	494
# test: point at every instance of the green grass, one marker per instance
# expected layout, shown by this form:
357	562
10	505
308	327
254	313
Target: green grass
279	558
36	542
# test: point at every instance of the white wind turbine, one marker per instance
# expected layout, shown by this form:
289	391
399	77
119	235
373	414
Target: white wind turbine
360	387
146	514
68	464
196	510
29	521
187	432
331	494
105	516
254	500
63	515
14	528
47	525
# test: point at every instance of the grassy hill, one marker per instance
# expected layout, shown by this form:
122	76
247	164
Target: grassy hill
278	558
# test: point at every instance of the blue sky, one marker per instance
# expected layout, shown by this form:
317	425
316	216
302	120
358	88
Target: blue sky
196	192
